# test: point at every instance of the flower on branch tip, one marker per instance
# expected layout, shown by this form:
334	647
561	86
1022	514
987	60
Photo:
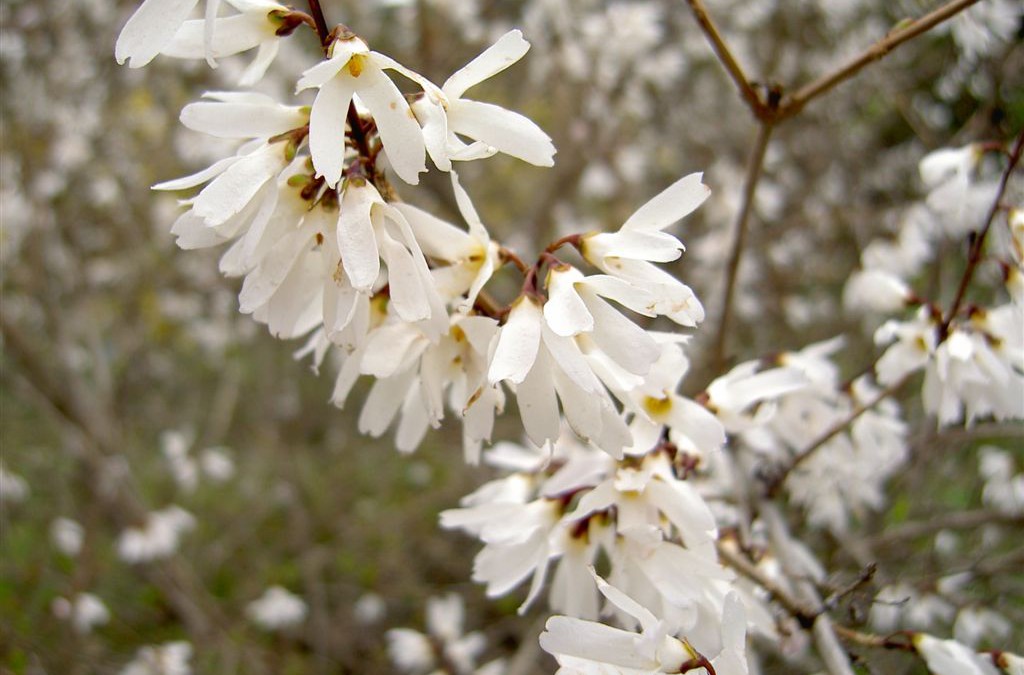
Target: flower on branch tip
446	116
353	71
255	26
628	253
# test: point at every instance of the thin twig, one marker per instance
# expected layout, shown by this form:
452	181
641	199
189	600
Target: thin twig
832	653
754	167
793	104
804	615
726	58
974	257
321	24
777	477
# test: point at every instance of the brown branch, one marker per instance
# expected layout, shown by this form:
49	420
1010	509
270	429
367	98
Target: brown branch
725	57
793	104
872	640
775	478
804	615
321	24
974	257
754	167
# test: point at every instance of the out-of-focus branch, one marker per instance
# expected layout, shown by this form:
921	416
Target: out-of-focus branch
794	103
776	478
804	615
68	404
957	520
754	167
832	653
726	58
974	257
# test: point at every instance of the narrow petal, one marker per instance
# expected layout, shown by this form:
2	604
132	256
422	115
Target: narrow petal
327	127
673	203
565	312
149	30
241	120
538	403
356	240
231	191
399	131
626	343
199	177
518	342
509	132
265	55
235	34
509	48
408	296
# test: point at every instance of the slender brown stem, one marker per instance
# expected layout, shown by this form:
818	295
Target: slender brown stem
754	167
321	23
974	257
956	520
778	477
804	615
793	104
726	58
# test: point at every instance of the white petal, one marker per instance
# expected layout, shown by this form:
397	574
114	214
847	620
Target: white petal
231	191
565	312
261	284
356	240
509	132
673	203
626	343
434	121
255	71
408	296
399	132
327	127
321	73
234	34
518	342
639	245
198	178
149	30
391	347
509	48
382	403
594	642
241	120
538	404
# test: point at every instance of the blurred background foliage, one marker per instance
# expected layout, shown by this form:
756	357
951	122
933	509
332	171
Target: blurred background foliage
112	337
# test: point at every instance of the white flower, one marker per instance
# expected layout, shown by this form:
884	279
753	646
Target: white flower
170	658
875	290
628	253
370	231
353	70
277	609
912	345
414	652
949	657
255	26
157	538
547	368
471	257
152	27
67	536
175	446
217	464
85	612
13	488
445	115
976	624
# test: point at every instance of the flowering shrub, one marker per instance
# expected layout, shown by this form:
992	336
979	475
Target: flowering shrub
666	458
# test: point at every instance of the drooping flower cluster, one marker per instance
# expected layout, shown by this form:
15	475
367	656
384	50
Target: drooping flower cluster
327	251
